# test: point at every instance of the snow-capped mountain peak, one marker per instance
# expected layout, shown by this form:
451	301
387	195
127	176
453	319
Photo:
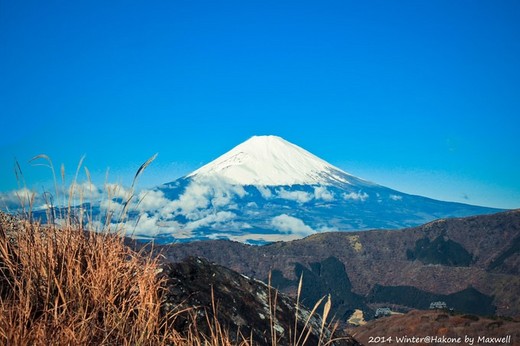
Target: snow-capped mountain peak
267	189
271	161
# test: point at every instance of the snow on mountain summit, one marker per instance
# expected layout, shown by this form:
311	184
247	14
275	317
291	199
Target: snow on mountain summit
271	161
264	190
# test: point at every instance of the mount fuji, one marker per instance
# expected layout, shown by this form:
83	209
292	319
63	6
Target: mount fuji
272	161
267	189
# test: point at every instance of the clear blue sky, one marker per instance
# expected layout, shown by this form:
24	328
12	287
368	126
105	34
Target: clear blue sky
420	96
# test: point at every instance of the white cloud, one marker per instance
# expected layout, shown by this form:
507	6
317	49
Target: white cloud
147	224
265	192
202	195
194	197
116	191
81	192
144	225
151	226
321	192
73	194
112	207
13	200
151	200
252	237
219	217
221	198
291	225
298	196
359	196
396	197
87	190
252	205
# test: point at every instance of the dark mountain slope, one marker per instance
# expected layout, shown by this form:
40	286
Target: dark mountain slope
242	305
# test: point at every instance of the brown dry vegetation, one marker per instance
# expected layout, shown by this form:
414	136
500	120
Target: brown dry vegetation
439	323
67	286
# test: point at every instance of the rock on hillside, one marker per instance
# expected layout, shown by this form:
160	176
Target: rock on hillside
242	305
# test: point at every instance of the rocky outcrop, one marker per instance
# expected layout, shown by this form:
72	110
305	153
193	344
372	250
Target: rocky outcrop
246	308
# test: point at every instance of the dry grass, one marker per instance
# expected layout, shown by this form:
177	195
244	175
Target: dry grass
65	285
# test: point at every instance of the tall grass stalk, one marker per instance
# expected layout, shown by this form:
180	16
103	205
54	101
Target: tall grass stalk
67	286
25	198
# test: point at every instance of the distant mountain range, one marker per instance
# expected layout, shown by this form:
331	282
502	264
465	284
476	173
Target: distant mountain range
263	190
472	264
267	189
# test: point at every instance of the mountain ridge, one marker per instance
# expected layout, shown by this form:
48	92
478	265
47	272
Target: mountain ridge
380	257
